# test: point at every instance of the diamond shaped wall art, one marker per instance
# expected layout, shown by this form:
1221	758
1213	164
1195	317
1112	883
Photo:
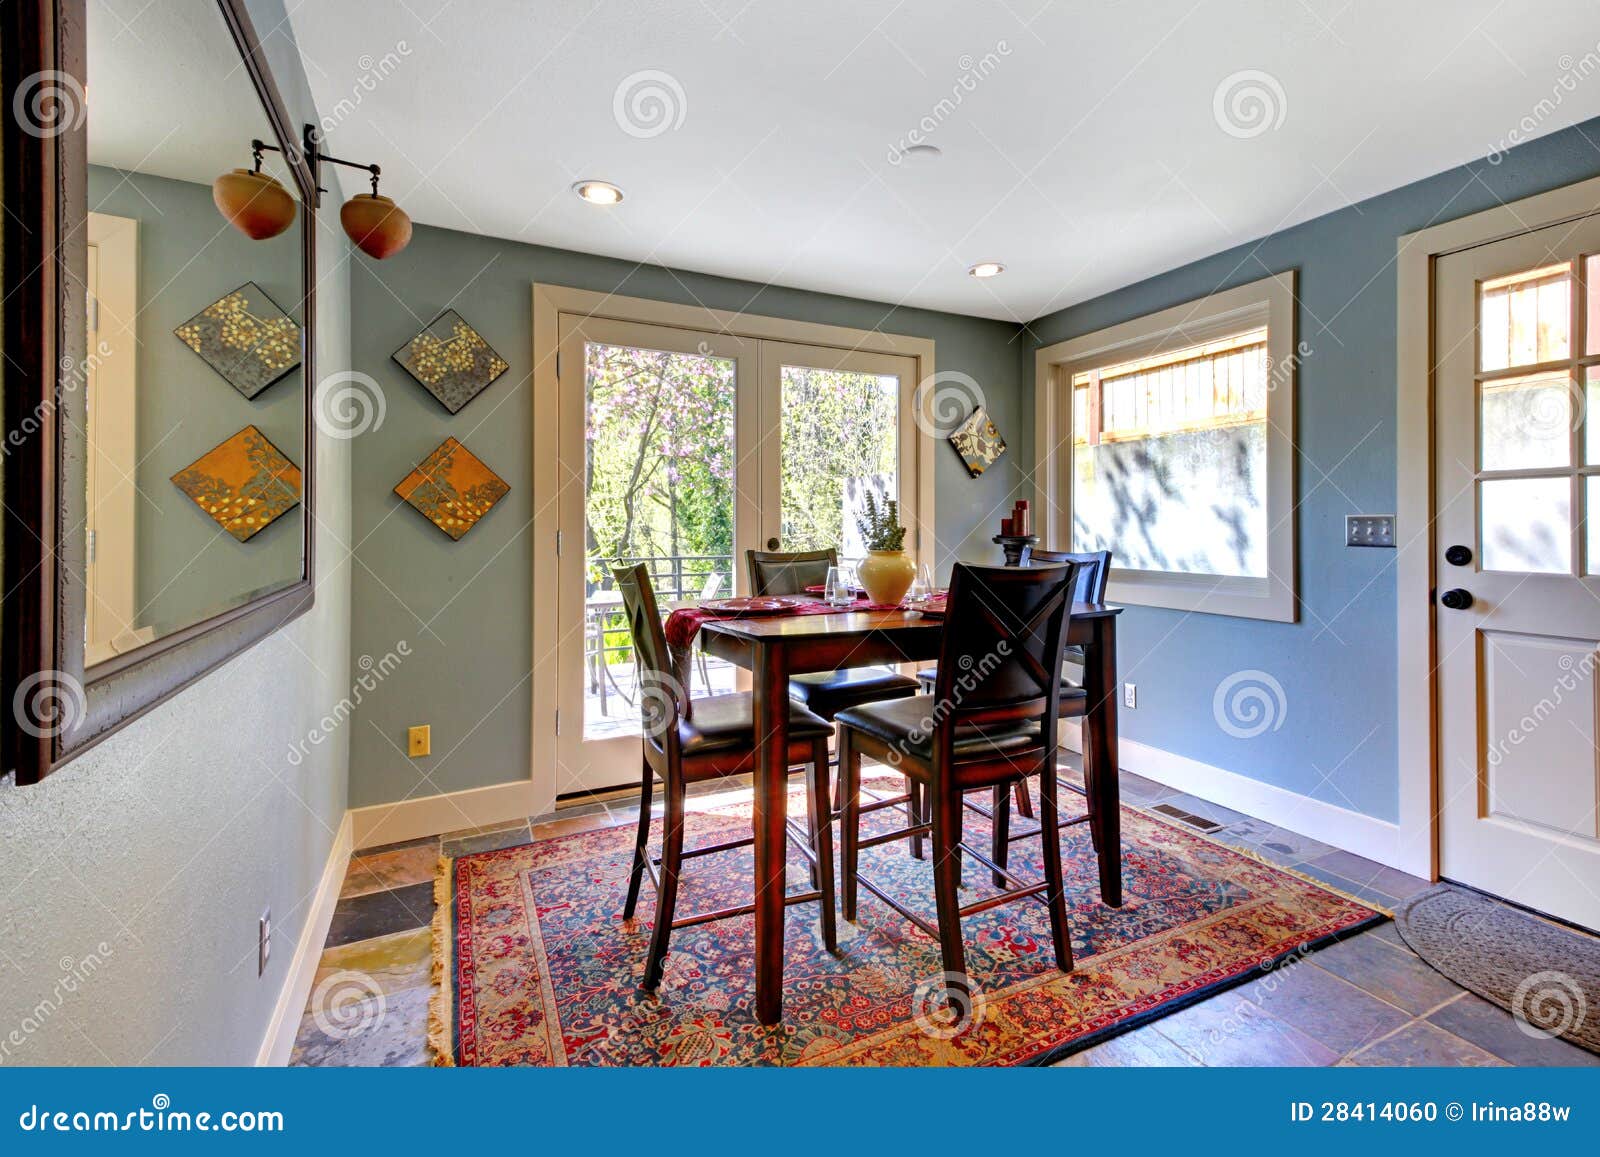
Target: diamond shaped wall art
451	360
978	442
245	483
245	337
453	488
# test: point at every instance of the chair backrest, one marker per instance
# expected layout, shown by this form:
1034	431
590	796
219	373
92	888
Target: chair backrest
775	572
662	695
1094	568
1000	656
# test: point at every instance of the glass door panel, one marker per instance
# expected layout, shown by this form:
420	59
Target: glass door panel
657	412
843	425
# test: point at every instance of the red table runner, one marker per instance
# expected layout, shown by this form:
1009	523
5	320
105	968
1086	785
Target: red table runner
684	624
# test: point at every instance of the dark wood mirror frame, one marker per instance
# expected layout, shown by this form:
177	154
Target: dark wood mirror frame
52	710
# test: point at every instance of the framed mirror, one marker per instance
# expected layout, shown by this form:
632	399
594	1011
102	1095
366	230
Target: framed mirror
158	464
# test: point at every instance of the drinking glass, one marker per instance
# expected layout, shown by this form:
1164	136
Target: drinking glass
836	591
917	593
925	581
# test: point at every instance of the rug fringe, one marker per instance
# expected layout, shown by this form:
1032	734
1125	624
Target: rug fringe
441	1007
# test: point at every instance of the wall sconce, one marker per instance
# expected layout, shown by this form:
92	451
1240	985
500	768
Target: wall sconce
259	207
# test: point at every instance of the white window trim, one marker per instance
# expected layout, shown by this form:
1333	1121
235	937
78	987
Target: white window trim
1268	302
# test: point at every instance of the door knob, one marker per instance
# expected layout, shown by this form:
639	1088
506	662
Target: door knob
1456	599
772	544
1458	555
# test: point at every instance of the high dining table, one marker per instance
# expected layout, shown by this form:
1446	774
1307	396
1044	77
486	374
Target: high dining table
776	647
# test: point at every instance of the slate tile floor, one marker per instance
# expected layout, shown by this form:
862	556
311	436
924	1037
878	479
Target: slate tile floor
1366	1001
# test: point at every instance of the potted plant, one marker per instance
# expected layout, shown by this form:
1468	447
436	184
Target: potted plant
886	572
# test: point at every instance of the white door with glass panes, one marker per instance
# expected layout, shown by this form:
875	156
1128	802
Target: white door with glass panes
680	450
1517	620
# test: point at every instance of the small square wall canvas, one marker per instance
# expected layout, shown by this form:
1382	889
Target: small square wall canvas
451	360
245	337
452	488
244	483
978	442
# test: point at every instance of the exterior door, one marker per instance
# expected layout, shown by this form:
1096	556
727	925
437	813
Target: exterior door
651	424
1518	533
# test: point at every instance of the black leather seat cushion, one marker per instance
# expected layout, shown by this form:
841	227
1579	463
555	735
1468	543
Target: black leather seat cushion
719	722
908	725
1073	697
829	692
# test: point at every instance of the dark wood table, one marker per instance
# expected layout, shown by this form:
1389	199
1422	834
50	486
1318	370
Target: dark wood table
773	649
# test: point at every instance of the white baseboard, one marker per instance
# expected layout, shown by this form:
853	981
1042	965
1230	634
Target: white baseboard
1342	828
407	819
281	1030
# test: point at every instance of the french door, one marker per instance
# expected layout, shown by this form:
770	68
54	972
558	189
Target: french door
681	449
1518	623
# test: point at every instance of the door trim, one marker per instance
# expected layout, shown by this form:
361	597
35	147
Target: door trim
1417	687
550	302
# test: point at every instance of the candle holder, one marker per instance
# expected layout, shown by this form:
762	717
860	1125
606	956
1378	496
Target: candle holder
1014	545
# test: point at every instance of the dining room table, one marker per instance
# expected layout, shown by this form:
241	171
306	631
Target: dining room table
774	647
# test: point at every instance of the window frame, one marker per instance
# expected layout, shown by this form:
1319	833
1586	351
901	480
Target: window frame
1269	302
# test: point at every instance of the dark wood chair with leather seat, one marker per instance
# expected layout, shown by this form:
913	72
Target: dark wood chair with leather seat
990	723
693	740
825	692
1094	568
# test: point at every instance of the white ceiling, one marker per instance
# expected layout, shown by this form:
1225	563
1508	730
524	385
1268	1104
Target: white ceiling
1089	155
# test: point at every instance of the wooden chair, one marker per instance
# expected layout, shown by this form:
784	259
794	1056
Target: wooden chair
1094	569
714	740
990	723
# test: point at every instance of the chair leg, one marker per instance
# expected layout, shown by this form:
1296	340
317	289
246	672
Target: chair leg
849	822
822	840
917	805
1089	794
1055	894
641	843
1024	802
947	882
667	897
1001	840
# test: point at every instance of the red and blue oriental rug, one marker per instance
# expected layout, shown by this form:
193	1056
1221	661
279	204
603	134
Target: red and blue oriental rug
537	967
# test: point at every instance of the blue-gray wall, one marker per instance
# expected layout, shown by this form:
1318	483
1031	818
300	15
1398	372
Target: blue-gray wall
466	607
1337	664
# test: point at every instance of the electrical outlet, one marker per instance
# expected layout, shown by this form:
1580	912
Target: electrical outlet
419	741
1130	696
1369	530
264	943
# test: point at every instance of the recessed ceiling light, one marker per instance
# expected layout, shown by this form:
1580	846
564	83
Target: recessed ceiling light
923	152
598	192
986	269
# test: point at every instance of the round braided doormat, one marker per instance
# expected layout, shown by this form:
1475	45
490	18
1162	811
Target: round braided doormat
1544	974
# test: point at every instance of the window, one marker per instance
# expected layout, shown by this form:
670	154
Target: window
1170	446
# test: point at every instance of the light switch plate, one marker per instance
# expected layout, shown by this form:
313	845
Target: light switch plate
1369	530
263	942
419	741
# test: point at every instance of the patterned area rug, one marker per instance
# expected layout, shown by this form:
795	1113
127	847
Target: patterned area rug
538	968
1545	974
